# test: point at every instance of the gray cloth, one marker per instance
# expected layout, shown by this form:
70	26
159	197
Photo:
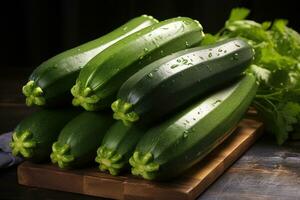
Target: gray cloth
6	157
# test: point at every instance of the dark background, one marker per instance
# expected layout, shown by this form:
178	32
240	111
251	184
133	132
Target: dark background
34	30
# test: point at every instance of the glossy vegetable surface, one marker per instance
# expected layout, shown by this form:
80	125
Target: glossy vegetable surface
78	141
34	135
170	148
50	83
101	78
169	83
117	146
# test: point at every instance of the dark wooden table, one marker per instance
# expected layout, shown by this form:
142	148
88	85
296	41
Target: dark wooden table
266	171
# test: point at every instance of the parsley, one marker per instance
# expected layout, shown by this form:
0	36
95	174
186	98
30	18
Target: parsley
276	66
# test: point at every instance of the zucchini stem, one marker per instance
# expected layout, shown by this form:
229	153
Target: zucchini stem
61	155
143	165
84	98
23	144
109	160
34	94
122	111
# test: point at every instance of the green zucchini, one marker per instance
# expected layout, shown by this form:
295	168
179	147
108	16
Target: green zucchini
117	146
34	135
100	79
78	141
170	148
178	78
50	82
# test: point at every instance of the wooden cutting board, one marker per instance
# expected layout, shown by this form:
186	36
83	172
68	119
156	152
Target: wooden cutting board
189	186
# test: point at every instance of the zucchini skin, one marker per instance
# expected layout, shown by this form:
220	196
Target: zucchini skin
50	83
179	78
170	148
117	146
99	81
78	141
34	135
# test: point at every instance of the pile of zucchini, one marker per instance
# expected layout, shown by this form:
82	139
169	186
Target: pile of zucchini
146	97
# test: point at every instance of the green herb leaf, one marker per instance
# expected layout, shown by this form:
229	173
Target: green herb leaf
209	39
262	74
267	56
266	25
286	39
248	29
290	112
238	14
277	67
273	119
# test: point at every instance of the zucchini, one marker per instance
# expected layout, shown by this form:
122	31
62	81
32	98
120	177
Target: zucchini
178	78
34	135
78	141
50	82
100	79
170	148
117	146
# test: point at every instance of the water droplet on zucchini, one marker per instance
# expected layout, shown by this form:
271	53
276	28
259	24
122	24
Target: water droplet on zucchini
217	101
235	56
185	133
187	44
209	68
174	66
184	61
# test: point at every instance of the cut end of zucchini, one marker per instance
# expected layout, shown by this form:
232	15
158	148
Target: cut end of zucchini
34	94
122	111
85	98
23	144
109	160
61	155
143	165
